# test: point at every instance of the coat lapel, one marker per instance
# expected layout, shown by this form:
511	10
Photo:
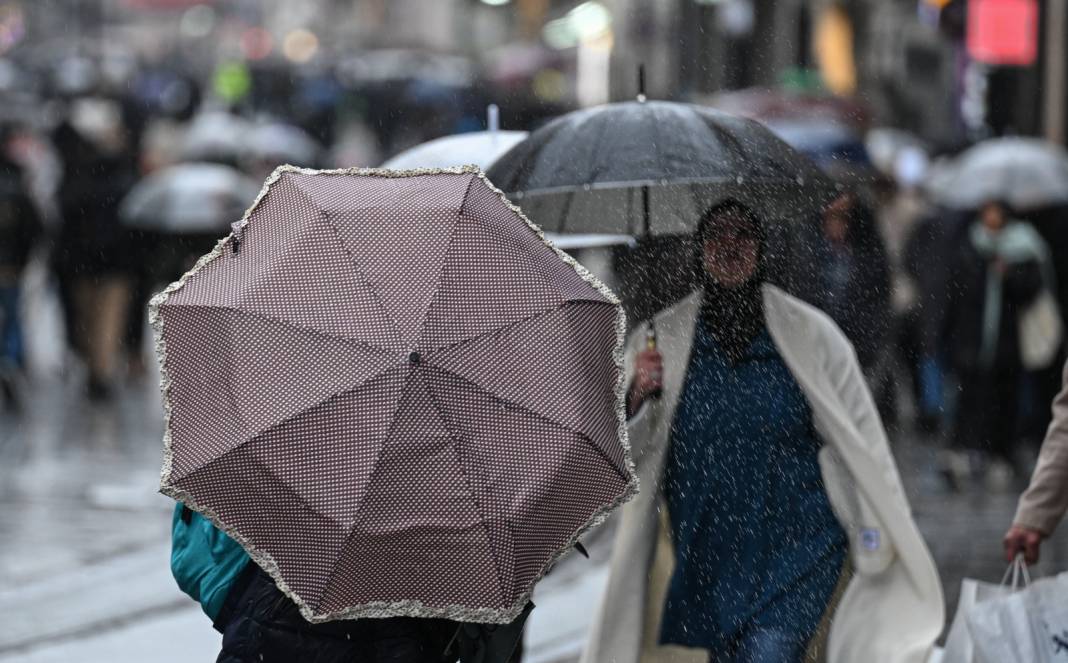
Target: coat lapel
674	335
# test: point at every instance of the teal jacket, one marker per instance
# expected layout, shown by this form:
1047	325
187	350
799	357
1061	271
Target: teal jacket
204	561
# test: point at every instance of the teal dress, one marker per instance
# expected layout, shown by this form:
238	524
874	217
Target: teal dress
757	545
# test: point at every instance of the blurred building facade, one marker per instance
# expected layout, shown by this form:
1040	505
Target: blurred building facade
907	60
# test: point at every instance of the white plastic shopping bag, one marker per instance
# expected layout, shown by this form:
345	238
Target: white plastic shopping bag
1025	626
1047	603
959	646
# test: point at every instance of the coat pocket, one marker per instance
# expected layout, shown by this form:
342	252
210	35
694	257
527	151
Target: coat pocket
870	547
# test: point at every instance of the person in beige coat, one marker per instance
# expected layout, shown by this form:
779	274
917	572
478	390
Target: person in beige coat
890	608
1044	503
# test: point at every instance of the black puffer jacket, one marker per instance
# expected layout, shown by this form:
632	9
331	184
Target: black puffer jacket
261	625
20	226
91	240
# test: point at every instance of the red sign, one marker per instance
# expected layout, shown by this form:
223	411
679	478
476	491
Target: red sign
1003	31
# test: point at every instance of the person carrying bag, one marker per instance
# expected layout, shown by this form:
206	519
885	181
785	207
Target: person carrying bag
1018	621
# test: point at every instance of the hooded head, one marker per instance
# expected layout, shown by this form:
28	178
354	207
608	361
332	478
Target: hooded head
730	246
730	256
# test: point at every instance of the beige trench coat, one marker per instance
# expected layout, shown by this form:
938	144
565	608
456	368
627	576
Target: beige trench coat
892	609
1044	503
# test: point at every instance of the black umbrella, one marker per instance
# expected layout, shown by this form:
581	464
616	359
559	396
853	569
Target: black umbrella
650	168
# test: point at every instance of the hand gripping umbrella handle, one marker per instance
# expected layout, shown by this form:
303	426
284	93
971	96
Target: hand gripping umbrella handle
650	344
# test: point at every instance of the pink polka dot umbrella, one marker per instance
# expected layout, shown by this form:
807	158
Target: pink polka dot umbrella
394	393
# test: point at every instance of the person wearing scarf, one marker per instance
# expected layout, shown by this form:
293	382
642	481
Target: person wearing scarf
758	548
1002	267
763	466
757	543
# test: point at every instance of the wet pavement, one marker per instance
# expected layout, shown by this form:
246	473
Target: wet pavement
84	536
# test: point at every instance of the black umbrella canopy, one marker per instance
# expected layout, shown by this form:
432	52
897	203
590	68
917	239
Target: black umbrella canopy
653	167
650	169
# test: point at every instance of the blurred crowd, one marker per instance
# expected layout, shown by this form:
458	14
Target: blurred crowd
118	192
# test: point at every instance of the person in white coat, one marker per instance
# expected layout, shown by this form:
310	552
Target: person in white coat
888	609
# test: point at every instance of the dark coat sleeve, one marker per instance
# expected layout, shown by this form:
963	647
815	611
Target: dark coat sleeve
1023	282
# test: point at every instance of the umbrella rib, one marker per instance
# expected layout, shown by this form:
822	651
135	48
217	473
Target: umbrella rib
594	170
279	481
330	223
289	417
512	325
453	436
287	323
682	181
583	436
257	550
444	257
370	484
655	131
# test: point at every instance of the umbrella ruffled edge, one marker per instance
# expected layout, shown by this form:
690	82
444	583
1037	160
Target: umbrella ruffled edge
402	608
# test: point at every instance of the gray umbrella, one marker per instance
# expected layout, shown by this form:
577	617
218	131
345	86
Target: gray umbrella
652	168
189	198
1026	173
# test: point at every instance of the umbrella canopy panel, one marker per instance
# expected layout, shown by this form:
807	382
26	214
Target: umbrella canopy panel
395	394
481	148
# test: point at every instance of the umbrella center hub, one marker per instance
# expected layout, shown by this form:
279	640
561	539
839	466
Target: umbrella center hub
414	357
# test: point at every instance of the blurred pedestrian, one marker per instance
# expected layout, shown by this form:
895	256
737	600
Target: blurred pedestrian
854	286
20	228
929	253
1000	269
1044	503
854	289
260	623
751	422
92	257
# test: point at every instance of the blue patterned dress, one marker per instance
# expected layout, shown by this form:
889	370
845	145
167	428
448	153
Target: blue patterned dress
757	544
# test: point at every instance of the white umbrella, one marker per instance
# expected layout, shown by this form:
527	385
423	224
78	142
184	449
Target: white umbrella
481	148
281	143
189	198
887	144
1026	173
215	135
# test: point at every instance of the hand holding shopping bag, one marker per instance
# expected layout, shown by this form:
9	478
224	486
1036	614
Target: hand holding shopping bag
1027	625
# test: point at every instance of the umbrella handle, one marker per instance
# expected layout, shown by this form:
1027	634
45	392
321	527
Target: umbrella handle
650	344
237	234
